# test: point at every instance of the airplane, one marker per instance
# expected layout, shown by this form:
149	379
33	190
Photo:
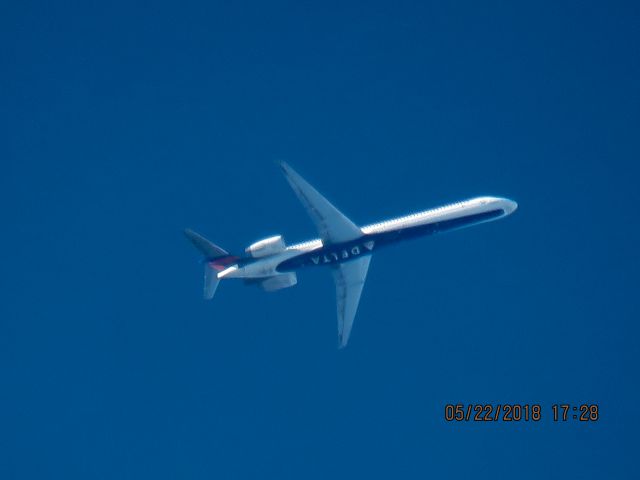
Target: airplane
343	246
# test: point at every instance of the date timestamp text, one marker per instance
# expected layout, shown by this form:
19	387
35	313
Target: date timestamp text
519	412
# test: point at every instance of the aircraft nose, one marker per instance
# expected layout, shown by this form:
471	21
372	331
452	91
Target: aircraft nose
509	206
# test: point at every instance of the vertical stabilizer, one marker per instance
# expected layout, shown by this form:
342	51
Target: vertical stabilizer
215	260
209	249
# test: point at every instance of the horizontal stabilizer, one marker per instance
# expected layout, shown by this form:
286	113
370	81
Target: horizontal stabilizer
210	282
209	249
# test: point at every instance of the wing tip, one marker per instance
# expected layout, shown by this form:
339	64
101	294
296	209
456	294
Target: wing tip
284	166
290	174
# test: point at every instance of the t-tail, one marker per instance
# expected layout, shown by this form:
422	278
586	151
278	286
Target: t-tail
343	246
215	260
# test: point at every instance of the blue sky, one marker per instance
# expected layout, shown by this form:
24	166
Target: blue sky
123	123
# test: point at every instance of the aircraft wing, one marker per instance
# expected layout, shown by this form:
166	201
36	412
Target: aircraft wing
349	278
333	226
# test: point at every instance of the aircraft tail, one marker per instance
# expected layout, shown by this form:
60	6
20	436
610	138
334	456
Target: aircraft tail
210	250
215	260
210	282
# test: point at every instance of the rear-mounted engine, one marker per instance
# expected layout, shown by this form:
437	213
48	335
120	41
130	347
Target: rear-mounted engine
266	247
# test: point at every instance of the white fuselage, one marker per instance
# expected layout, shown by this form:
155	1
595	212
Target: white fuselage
315	252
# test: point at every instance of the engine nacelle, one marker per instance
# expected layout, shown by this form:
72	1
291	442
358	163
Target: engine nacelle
266	247
277	282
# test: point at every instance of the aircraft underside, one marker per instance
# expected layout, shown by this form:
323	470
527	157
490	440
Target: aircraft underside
344	252
343	246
